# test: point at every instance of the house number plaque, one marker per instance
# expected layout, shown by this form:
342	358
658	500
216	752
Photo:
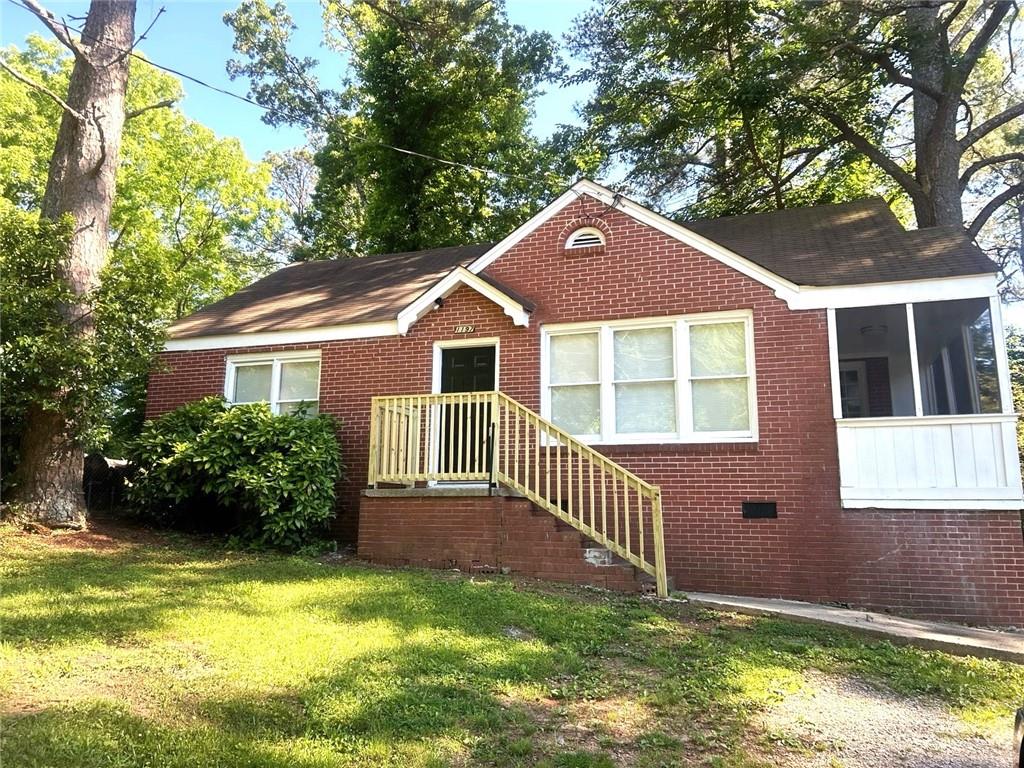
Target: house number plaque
465	328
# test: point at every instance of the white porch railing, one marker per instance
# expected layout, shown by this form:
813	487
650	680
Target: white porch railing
488	436
930	462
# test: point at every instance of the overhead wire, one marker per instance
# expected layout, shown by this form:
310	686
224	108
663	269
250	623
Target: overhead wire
292	118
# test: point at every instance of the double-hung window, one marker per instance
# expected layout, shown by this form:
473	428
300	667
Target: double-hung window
289	382
677	379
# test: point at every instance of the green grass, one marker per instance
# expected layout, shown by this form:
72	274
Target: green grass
180	653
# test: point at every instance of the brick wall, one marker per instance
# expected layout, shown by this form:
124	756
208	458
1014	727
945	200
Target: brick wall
964	565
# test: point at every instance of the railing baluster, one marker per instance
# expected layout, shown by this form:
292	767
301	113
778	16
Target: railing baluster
615	504
547	464
579	480
536	454
568	480
558	475
604	503
625	510
593	499
640	519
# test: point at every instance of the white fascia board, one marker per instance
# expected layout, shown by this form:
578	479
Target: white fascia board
902	292
782	287
274	338
447	285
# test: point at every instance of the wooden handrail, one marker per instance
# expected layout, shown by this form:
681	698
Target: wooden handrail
488	436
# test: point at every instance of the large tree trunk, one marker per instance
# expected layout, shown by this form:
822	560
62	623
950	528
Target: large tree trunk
81	183
937	151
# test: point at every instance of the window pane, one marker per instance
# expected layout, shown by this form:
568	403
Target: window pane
956	352
308	408
577	410
574	358
252	383
299	381
644	353
720	405
647	407
718	350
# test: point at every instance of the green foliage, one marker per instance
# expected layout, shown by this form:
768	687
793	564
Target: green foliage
278	472
1015	353
705	108
450	80
45	361
193	219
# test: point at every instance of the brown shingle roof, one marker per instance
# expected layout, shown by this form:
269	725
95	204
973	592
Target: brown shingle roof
325	293
845	244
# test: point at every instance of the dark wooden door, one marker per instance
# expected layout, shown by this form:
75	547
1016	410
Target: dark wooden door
465	438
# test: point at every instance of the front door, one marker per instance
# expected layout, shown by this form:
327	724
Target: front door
464	428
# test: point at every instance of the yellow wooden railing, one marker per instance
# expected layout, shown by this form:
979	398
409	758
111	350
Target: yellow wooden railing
488	436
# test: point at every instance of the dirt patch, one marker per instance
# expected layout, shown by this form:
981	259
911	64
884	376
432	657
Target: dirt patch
843	721
103	534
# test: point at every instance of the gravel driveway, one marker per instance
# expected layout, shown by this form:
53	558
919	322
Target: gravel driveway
836	722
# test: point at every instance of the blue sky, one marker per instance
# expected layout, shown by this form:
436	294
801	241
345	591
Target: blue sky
192	37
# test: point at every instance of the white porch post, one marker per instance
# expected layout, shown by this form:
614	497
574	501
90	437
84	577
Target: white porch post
833	364
1002	360
915	370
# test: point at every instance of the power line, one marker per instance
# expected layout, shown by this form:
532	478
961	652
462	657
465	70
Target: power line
285	115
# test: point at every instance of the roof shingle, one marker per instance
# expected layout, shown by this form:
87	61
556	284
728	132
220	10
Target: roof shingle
845	244
326	293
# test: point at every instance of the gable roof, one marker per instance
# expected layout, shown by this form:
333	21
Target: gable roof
853	243
819	250
328	293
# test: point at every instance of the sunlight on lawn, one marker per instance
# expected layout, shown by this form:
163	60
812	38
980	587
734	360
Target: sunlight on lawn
181	655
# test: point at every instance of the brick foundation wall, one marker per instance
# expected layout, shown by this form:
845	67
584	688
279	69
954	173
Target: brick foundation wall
481	534
963	565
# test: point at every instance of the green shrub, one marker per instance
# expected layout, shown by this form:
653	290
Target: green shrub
272	477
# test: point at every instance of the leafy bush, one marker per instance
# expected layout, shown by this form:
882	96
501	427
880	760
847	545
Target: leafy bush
270	478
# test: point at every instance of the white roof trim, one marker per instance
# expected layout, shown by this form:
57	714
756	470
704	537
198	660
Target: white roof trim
896	292
447	285
783	288
273	338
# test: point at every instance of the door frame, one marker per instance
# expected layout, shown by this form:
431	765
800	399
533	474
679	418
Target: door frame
440	346
435	388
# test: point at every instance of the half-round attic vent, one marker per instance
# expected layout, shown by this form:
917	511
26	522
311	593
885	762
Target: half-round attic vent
585	237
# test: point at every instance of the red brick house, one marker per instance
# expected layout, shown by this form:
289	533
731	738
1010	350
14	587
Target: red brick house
813	403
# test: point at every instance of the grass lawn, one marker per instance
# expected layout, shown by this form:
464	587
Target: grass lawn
177	652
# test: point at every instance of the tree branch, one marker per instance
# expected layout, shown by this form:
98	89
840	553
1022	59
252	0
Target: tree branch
979	132
982	39
992	206
159	105
973	168
58	28
887	65
42	89
875	154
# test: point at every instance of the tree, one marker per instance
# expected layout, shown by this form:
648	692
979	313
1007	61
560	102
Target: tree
80	185
293	182
783	101
192	212
427	79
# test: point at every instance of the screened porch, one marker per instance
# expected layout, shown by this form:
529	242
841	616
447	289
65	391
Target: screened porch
924	415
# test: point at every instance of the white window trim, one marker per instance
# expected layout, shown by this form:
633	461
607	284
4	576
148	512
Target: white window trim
684	411
234	362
